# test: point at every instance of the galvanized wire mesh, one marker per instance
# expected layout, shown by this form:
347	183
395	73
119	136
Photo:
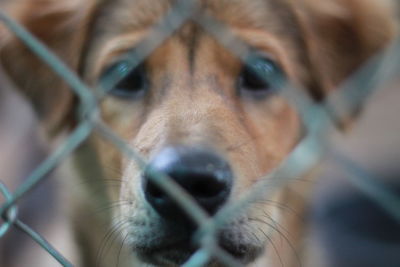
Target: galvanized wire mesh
319	118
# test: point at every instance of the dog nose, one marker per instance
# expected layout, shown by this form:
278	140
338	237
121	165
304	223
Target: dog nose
203	174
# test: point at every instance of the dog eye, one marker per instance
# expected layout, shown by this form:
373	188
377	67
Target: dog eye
132	82
259	77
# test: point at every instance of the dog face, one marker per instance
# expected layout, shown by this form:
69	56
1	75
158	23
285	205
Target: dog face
196	110
195	106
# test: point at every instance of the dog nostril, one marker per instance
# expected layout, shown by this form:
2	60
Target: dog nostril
154	191
204	186
190	169
199	186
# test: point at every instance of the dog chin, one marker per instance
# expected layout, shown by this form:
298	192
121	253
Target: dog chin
171	256
179	254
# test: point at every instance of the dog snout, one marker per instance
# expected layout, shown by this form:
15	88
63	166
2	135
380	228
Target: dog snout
204	175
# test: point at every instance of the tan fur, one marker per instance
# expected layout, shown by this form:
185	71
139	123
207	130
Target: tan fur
318	44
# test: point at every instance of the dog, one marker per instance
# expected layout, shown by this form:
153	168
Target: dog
194	110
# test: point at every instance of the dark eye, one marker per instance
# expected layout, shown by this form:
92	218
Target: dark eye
131	83
259	77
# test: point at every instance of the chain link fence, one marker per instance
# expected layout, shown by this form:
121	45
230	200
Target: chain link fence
319	118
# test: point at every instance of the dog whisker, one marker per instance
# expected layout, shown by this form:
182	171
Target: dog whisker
110	237
280	233
113	204
120	249
273	245
281	206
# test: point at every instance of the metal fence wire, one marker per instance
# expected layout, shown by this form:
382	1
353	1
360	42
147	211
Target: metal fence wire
319	119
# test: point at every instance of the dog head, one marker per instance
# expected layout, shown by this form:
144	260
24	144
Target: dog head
194	108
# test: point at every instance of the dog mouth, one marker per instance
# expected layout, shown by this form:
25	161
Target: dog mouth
178	252
172	254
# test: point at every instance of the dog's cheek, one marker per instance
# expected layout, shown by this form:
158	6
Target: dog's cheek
141	219
275	127
123	116
130	192
110	165
121	119
267	212
126	119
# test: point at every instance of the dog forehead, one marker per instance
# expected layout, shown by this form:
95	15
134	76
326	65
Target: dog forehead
142	14
118	20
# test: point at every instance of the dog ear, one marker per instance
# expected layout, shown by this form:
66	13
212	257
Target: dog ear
341	35
61	25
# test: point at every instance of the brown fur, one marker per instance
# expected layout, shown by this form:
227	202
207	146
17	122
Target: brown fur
192	99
